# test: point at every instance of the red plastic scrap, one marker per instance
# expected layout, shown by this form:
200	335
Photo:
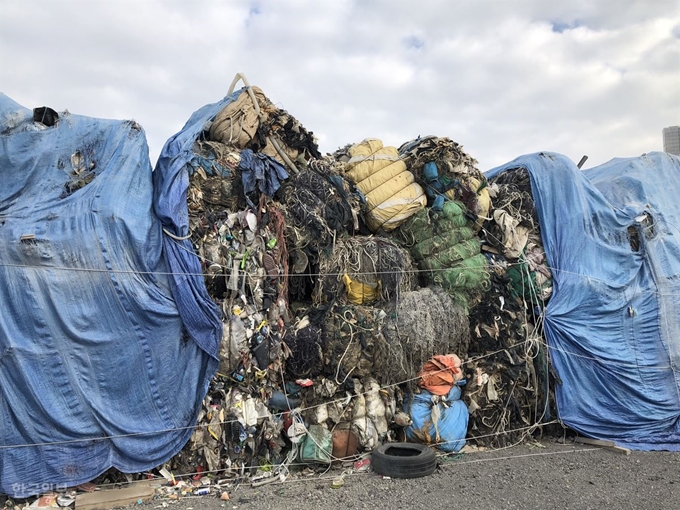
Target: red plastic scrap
440	373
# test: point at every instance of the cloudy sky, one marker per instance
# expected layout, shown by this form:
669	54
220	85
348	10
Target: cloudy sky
501	77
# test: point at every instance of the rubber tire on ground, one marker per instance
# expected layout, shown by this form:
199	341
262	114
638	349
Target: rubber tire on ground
403	460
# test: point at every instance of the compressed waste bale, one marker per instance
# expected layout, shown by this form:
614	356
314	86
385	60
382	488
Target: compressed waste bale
338	342
226	438
510	384
444	169
390	190
366	269
444	244
437	244
361	405
319	206
424	322
447	257
351	335
427	224
305	344
513	231
252	121
215	179
244	259
509	381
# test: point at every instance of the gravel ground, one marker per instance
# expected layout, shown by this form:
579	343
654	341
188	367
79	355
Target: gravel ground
549	476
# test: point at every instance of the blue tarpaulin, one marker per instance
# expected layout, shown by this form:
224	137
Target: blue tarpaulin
104	356
612	238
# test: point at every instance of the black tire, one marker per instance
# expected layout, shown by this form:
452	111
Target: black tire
404	460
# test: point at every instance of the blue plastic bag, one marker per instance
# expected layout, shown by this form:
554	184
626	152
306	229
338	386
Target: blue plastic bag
438	421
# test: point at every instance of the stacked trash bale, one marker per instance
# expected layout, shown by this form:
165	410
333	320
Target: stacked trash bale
240	235
509	378
319	206
444	244
389	190
421	324
446	171
514	232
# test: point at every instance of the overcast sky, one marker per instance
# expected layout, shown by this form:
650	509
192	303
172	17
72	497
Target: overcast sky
503	78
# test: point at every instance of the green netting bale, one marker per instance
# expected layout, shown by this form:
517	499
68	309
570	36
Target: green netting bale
440	242
451	256
451	209
469	275
426	223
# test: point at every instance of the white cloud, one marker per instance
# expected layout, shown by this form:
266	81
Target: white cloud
503	78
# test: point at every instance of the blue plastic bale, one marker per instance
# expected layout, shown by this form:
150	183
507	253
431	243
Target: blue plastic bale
451	425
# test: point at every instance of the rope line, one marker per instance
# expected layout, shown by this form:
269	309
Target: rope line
254	275
301	409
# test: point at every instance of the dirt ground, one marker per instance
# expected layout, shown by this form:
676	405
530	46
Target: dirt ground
549	476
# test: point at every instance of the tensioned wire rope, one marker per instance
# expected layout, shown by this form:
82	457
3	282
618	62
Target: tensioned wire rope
302	409
526	342
486	269
241	487
520	264
246	273
527	430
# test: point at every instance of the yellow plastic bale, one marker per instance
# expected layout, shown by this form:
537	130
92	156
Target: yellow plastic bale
361	293
392	195
393	212
380	177
389	189
368	158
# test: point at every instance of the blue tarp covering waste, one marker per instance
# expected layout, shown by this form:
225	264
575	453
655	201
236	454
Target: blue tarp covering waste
612	238
171	182
101	364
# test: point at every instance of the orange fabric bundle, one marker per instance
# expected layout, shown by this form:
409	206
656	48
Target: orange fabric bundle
440	373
